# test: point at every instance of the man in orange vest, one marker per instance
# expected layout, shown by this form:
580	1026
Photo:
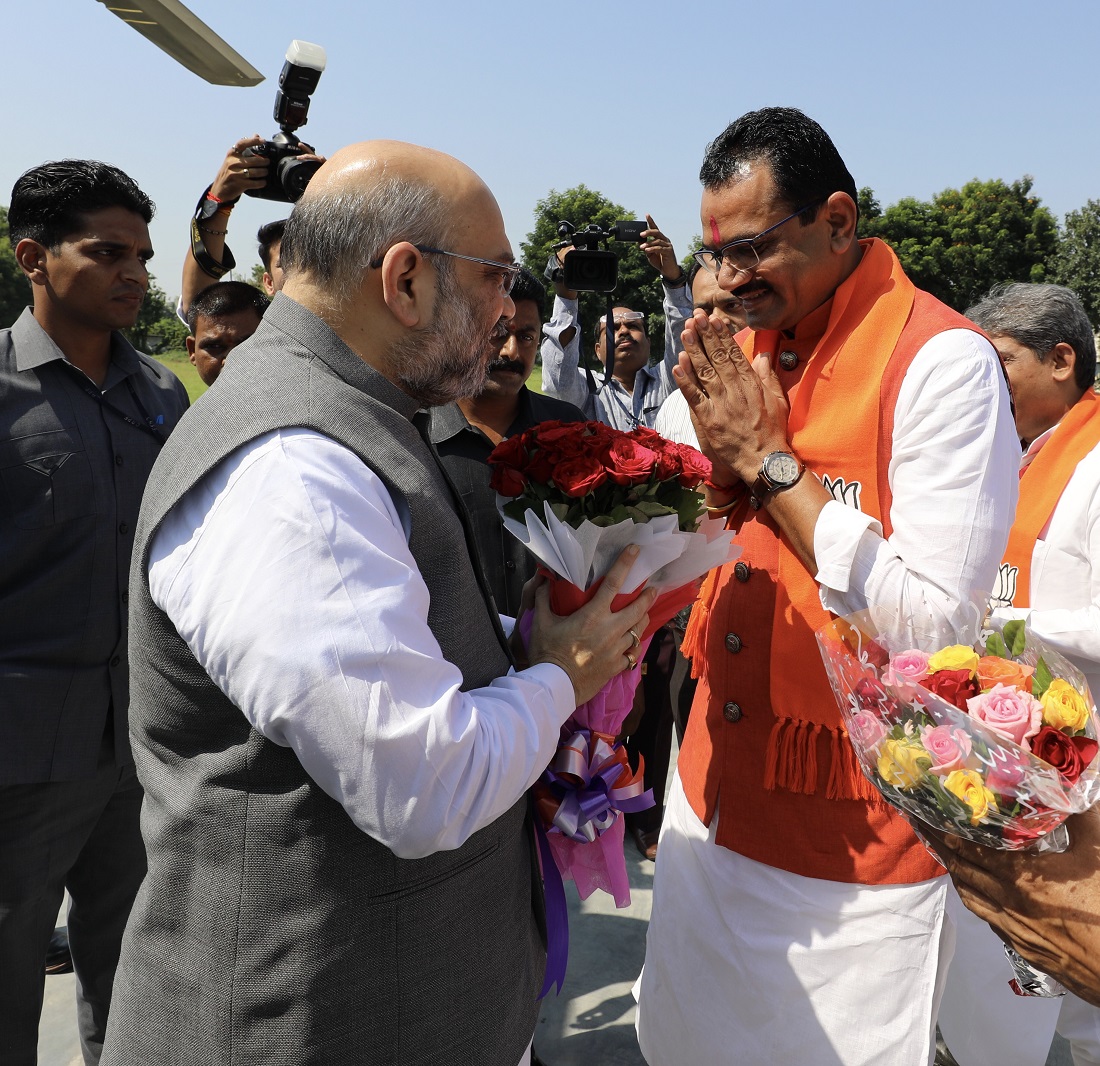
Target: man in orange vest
1051	577
863	447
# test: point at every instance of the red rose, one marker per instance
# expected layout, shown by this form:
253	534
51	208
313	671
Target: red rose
871	696
540	467
629	463
1025	833
695	466
578	477
1070	756
562	440
954	686
510	452
669	465
507	481
648	438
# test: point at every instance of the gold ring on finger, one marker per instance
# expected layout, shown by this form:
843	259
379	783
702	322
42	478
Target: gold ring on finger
634	636
631	660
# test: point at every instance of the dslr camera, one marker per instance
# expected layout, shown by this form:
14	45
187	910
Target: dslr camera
288	176
587	267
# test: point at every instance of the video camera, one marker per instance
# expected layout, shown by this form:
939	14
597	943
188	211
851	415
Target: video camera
588	268
288	176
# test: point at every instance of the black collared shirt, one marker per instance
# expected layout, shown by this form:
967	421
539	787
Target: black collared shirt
464	451
72	472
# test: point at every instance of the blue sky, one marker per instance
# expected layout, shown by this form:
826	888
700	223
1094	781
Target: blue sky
621	96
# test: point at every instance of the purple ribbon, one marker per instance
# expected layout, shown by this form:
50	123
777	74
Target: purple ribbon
591	782
557	915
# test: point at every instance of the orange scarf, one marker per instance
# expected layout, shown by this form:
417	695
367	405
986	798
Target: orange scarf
1042	484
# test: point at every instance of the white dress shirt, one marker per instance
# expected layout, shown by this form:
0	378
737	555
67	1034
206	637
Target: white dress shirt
287	572
674	420
954	479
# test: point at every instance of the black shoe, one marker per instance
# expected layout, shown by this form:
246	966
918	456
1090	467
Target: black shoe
58	958
646	840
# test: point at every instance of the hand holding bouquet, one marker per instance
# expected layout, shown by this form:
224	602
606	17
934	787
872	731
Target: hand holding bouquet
576	494
999	748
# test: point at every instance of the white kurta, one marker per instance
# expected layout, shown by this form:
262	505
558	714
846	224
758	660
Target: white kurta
757	966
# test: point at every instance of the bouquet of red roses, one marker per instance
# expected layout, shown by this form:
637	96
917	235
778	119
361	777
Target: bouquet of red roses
576	494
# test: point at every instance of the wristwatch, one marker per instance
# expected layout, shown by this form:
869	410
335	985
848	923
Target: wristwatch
778	471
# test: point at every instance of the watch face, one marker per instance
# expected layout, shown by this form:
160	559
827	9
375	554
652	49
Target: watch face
781	469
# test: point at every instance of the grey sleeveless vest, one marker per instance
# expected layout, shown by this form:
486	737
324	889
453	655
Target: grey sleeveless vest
270	930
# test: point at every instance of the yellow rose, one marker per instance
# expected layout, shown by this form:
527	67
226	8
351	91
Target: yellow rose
970	788
955	657
899	764
1064	707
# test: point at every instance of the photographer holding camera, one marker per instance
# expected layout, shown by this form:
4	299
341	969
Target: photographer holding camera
636	390
278	169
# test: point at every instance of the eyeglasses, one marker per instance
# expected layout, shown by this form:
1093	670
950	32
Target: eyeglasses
742	255
509	272
626	318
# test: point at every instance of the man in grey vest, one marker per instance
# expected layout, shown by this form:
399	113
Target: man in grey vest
334	747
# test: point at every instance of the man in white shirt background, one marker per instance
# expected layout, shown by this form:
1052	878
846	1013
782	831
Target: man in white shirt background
1051	577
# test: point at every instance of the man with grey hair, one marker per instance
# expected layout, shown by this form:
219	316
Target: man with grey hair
1051	577
335	748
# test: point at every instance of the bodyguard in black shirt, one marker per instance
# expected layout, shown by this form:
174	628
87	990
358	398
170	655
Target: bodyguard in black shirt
82	419
464	433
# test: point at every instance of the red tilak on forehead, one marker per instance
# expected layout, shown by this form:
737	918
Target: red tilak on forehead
714	236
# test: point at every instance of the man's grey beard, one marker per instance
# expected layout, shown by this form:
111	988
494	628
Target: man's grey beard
448	359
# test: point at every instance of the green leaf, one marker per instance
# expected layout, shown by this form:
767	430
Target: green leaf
1015	637
1042	678
995	645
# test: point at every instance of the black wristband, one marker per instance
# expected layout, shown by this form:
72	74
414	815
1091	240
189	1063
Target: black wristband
207	263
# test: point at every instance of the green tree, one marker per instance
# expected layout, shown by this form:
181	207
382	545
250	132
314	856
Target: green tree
869	208
639	286
1076	263
15	292
966	240
157	328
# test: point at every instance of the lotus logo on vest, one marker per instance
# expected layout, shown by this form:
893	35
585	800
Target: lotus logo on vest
1004	591
844	492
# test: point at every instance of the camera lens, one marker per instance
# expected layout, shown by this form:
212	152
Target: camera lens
294	175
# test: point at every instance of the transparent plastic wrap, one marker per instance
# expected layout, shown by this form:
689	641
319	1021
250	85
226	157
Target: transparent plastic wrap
995	742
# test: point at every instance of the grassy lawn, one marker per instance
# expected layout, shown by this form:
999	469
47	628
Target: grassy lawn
181	366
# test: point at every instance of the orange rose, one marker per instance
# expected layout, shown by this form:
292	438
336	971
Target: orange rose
993	670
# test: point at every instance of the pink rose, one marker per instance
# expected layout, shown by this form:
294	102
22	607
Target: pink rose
906	666
1010	713
1006	772
866	730
949	747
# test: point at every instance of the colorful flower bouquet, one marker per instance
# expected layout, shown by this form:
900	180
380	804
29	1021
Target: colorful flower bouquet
996	744
576	494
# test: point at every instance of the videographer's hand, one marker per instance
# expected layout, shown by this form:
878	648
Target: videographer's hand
592	644
559	287
660	253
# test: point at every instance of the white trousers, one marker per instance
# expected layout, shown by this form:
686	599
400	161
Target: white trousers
984	1023
752	965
